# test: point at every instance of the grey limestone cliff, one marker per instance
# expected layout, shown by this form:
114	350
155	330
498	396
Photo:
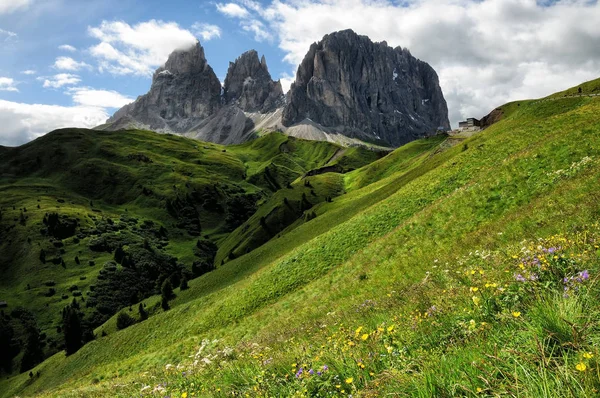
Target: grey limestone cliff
350	85
186	98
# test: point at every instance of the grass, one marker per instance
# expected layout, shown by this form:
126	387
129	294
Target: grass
99	176
406	284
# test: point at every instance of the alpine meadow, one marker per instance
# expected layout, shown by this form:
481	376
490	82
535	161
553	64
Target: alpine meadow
228	237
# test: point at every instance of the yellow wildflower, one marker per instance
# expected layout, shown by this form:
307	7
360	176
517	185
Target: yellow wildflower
184	395
581	367
390	328
476	300
516	314
349	380
588	355
474	289
365	336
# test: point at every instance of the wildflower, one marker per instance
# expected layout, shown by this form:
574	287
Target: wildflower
319	373
184	395
516	314
581	367
584	275
299	373
325	368
474	289
349	380
311	372
520	278
364	336
476	300
588	355
390	328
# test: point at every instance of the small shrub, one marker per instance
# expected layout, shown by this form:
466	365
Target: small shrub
124	320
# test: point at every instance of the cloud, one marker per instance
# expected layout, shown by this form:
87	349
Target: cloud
60	80
9	6
24	122
7	34
137	49
7	84
486	52
249	21
68	63
67	47
28	72
233	10
87	96
206	31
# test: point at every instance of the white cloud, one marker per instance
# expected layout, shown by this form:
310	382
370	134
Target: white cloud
68	63
7	34
233	10
8	6
87	96
206	31
249	21
7	84
24	122
486	52
137	49
60	80
28	72
67	47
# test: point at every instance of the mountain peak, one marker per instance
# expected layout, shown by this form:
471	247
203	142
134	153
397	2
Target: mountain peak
352	85
249	84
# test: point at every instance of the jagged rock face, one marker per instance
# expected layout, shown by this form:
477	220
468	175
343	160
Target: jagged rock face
348	84
183	93
186	98
249	85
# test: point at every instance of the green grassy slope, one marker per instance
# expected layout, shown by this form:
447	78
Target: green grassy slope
443	276
127	187
587	88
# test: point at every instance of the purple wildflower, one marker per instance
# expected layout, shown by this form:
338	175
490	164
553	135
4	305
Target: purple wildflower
585	275
320	373
533	277
299	373
311	372
325	368
520	278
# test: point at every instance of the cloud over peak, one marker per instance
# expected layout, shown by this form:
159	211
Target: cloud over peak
139	49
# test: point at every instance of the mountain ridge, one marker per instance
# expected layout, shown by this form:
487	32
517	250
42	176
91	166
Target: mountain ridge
363	101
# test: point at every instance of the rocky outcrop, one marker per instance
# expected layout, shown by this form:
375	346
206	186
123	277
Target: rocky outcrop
186	98
347	89
184	92
249	85
350	85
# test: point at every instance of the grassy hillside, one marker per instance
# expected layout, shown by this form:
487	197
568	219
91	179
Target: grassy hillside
462	270
74	198
592	87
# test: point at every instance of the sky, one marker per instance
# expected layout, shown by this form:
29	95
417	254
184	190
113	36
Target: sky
73	63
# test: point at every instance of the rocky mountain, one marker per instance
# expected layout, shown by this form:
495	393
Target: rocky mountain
347	89
186	98
351	85
184	92
249	85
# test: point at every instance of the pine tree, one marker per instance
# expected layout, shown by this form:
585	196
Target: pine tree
71	329
166	293
183	285
143	312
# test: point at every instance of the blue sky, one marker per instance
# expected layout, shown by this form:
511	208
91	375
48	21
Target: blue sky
74	62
